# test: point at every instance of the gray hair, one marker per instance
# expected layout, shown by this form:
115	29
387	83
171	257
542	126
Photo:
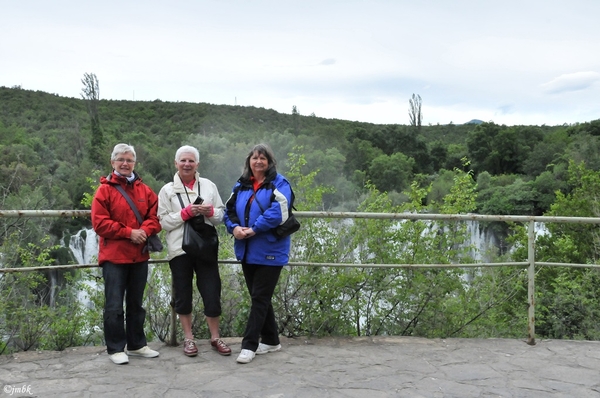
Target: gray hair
120	149
187	149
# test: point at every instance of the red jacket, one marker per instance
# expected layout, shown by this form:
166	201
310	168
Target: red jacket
113	219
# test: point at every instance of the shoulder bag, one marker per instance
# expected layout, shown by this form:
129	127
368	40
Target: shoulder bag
199	240
290	225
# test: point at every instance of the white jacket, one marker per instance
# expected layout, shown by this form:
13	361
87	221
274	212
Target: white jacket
169	209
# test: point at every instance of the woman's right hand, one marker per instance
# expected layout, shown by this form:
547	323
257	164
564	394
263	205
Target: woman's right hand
242	232
138	236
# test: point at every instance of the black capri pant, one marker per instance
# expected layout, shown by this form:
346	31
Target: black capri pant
208	282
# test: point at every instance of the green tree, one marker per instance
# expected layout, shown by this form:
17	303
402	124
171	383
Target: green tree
481	150
585	147
547	153
517	198
581	200
295	120
39	313
545	187
456	152
501	149
439	155
567	298
410	301
391	173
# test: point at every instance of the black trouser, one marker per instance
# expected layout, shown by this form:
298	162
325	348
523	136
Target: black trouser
208	282
261	281
124	281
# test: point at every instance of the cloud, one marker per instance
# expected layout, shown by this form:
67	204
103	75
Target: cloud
571	82
277	55
328	61
505	109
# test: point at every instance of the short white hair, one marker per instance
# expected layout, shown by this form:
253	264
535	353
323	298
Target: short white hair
120	149
187	149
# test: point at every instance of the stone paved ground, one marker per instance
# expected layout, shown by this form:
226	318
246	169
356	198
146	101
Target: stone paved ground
331	367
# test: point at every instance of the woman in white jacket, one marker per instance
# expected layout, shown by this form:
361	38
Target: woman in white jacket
191	197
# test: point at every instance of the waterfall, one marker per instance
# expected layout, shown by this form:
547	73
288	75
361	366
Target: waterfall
483	243
84	246
540	229
53	287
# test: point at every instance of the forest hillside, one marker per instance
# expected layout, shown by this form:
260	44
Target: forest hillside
53	143
54	149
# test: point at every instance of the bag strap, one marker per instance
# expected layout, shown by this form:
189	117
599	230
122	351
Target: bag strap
291	202
258	203
186	190
181	200
293	195
130	201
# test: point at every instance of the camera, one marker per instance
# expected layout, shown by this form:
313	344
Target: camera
198	201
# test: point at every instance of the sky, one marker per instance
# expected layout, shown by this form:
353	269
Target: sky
525	62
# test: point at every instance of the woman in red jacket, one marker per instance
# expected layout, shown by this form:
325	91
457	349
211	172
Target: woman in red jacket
123	255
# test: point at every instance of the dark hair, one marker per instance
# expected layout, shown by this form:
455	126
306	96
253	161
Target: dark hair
262	149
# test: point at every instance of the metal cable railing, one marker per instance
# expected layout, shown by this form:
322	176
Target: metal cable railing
530	263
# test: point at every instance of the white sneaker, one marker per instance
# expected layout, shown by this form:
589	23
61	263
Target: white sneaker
266	348
119	358
246	356
145	352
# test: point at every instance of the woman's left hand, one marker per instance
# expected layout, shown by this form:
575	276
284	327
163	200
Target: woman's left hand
201	210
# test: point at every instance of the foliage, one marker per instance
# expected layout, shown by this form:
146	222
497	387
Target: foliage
94	183
501	149
47	161
391	173
581	201
298	307
38	314
361	300
567	298
51	138
157	303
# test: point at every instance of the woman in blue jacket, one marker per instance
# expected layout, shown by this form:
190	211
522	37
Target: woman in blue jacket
259	203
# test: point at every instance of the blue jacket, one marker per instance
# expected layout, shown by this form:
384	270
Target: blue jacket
274	195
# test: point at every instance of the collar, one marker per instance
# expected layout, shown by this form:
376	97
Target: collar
255	183
129	179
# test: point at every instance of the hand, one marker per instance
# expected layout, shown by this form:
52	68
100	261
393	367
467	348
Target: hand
138	236
243	232
200	210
